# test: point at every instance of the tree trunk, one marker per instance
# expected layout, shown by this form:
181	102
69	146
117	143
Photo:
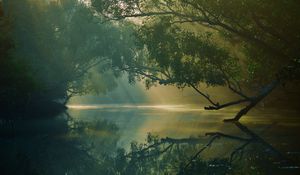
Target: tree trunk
258	139
266	91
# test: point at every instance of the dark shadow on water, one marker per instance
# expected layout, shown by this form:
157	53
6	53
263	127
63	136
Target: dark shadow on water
239	155
65	145
57	145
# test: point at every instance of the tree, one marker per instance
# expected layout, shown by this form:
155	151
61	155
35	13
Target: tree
15	80
251	47
58	42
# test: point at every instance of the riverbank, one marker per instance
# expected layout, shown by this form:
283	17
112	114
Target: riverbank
33	110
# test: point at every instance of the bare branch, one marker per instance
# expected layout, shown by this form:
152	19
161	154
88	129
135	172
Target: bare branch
227	136
255	100
217	107
203	95
201	150
167	140
239	150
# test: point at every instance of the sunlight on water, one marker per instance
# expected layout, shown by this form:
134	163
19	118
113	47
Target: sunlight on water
135	121
178	121
155	107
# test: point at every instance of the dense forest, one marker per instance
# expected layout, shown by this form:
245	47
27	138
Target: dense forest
54	50
48	49
251	47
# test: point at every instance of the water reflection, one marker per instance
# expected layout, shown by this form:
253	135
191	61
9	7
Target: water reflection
57	146
214	155
112	141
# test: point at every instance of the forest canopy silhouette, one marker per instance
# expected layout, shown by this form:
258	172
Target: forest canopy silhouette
50	50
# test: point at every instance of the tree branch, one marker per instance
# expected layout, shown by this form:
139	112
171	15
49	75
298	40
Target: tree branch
264	92
227	136
201	150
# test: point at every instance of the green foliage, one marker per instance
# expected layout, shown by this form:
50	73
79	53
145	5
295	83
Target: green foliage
51	48
186	57
263	33
15	77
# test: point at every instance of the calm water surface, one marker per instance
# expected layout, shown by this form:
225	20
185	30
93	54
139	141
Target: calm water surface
152	139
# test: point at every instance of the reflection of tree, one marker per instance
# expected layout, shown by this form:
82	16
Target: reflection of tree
254	138
184	156
69	146
57	146
168	156
264	156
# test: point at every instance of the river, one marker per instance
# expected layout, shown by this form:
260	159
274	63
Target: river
152	139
